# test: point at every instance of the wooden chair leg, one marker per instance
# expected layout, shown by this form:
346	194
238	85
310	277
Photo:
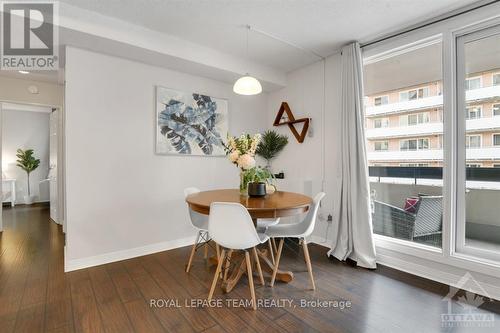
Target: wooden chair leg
250	279
271	250
193	250
308	263
274	245
217	250
276	265
216	276
228	263
259	269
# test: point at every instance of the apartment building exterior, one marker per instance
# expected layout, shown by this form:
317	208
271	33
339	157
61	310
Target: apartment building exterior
404	127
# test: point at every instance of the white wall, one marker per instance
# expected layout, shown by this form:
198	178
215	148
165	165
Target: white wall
26	130
310	93
122	199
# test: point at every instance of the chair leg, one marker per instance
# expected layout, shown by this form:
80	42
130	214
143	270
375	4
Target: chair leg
276	265
228	263
216	276
250	279
308	263
259	269
271	250
217	250
193	250
274	245
205	250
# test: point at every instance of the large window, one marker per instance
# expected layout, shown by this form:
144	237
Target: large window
406	200
478	211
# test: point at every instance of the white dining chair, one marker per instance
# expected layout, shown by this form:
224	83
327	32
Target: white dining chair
262	225
297	230
200	222
231	226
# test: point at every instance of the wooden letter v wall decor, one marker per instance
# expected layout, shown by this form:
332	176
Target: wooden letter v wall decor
291	121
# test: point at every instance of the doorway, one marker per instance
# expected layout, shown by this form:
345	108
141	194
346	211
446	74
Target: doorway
30	146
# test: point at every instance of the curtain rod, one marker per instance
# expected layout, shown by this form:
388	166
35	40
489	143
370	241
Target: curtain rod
455	13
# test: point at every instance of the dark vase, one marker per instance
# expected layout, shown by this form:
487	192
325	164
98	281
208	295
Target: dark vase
256	189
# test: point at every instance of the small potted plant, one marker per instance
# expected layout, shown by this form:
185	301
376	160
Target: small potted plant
27	161
259	180
271	145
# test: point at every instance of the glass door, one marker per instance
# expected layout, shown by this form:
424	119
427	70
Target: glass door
478	141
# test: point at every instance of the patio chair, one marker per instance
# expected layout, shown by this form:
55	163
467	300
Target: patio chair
425	226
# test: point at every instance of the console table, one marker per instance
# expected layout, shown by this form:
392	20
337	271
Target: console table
12	185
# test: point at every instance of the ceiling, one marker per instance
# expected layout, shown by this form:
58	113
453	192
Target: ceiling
319	25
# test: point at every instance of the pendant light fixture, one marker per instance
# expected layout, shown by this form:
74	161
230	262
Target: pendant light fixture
247	85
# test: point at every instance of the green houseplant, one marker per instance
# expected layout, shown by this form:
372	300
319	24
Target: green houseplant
271	145
28	162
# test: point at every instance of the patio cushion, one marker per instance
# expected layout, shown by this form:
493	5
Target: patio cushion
411	205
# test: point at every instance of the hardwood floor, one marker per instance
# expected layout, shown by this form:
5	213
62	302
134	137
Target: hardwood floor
37	296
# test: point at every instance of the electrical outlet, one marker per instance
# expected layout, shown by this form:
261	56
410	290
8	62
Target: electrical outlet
329	218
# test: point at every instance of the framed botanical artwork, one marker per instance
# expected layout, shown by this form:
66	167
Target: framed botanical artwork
190	123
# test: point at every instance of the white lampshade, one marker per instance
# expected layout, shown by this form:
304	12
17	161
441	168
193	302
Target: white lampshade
247	85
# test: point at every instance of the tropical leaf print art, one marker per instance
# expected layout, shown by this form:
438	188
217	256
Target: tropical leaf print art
190	124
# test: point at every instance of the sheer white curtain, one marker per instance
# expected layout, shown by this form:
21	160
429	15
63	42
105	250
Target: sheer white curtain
354	235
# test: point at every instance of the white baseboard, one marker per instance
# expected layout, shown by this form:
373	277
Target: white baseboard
75	264
438	275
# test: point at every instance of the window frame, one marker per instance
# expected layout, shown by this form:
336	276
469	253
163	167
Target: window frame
493	79
381	97
480	107
493	109
467	138
417	144
413	89
473	78
380	141
381	122
493	139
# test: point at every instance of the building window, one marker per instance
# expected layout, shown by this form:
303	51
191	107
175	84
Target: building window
414	144
473	141
414	119
414	94
381	145
472	83
381	122
473	165
496	109
496	79
496	139
473	112
381	100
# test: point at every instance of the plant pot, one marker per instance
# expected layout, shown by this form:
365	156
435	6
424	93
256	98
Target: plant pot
257	189
28	199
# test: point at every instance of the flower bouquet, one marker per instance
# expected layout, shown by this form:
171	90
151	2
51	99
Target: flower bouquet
241	152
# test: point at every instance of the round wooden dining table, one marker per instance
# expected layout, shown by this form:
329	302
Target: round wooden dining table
274	205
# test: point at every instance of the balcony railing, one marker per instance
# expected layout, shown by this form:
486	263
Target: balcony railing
473	125
478	154
487	93
472	174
